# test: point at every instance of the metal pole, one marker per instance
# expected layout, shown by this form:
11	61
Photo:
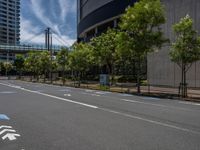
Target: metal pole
51	52
7	57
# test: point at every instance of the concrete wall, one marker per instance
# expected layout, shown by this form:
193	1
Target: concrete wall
161	71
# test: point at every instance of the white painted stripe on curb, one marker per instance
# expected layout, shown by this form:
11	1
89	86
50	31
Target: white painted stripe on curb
55	97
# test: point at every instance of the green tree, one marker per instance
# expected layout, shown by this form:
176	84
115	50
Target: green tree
8	67
62	60
186	49
45	64
104	50
80	59
2	69
19	64
32	64
141	26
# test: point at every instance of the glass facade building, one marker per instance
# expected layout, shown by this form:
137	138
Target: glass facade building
9	22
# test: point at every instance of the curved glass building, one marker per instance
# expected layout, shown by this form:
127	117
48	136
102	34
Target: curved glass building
95	16
9	22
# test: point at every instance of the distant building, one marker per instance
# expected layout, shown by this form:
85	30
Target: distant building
95	16
9	22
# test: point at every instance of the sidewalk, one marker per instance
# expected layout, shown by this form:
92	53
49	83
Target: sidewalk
155	91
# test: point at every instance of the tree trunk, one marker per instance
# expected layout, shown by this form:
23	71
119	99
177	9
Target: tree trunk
44	77
63	76
185	84
138	75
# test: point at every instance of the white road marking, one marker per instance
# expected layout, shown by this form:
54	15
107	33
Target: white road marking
89	90
7	130
102	93
11	136
90	94
126	95
8	92
157	105
95	95
69	95
47	95
151	98
151	121
10	133
119	113
9	127
190	103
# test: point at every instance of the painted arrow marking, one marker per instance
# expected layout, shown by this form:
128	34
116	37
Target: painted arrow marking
5	127
10	133
7	130
11	136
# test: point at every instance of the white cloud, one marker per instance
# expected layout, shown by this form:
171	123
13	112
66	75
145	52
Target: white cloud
40	14
28	31
66	7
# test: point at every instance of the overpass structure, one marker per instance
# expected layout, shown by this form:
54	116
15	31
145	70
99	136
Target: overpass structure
8	52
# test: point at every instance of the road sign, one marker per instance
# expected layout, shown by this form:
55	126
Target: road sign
7	132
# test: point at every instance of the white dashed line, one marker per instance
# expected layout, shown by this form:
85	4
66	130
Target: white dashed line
190	103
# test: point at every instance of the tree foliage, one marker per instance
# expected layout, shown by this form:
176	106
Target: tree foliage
104	49
186	49
80	58
141	31
19	64
62	60
45	64
32	63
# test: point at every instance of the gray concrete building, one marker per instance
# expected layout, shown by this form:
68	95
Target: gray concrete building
9	22
95	16
161	71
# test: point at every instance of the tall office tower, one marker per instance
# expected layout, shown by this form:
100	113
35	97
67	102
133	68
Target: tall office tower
9	22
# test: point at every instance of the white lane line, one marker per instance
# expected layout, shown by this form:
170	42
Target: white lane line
9	127
126	95
69	95
150	121
151	98
190	103
157	105
90	94
55	97
119	113
8	92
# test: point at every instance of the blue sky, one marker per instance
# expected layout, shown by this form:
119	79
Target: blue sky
59	15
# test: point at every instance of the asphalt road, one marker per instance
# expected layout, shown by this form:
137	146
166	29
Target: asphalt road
43	117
